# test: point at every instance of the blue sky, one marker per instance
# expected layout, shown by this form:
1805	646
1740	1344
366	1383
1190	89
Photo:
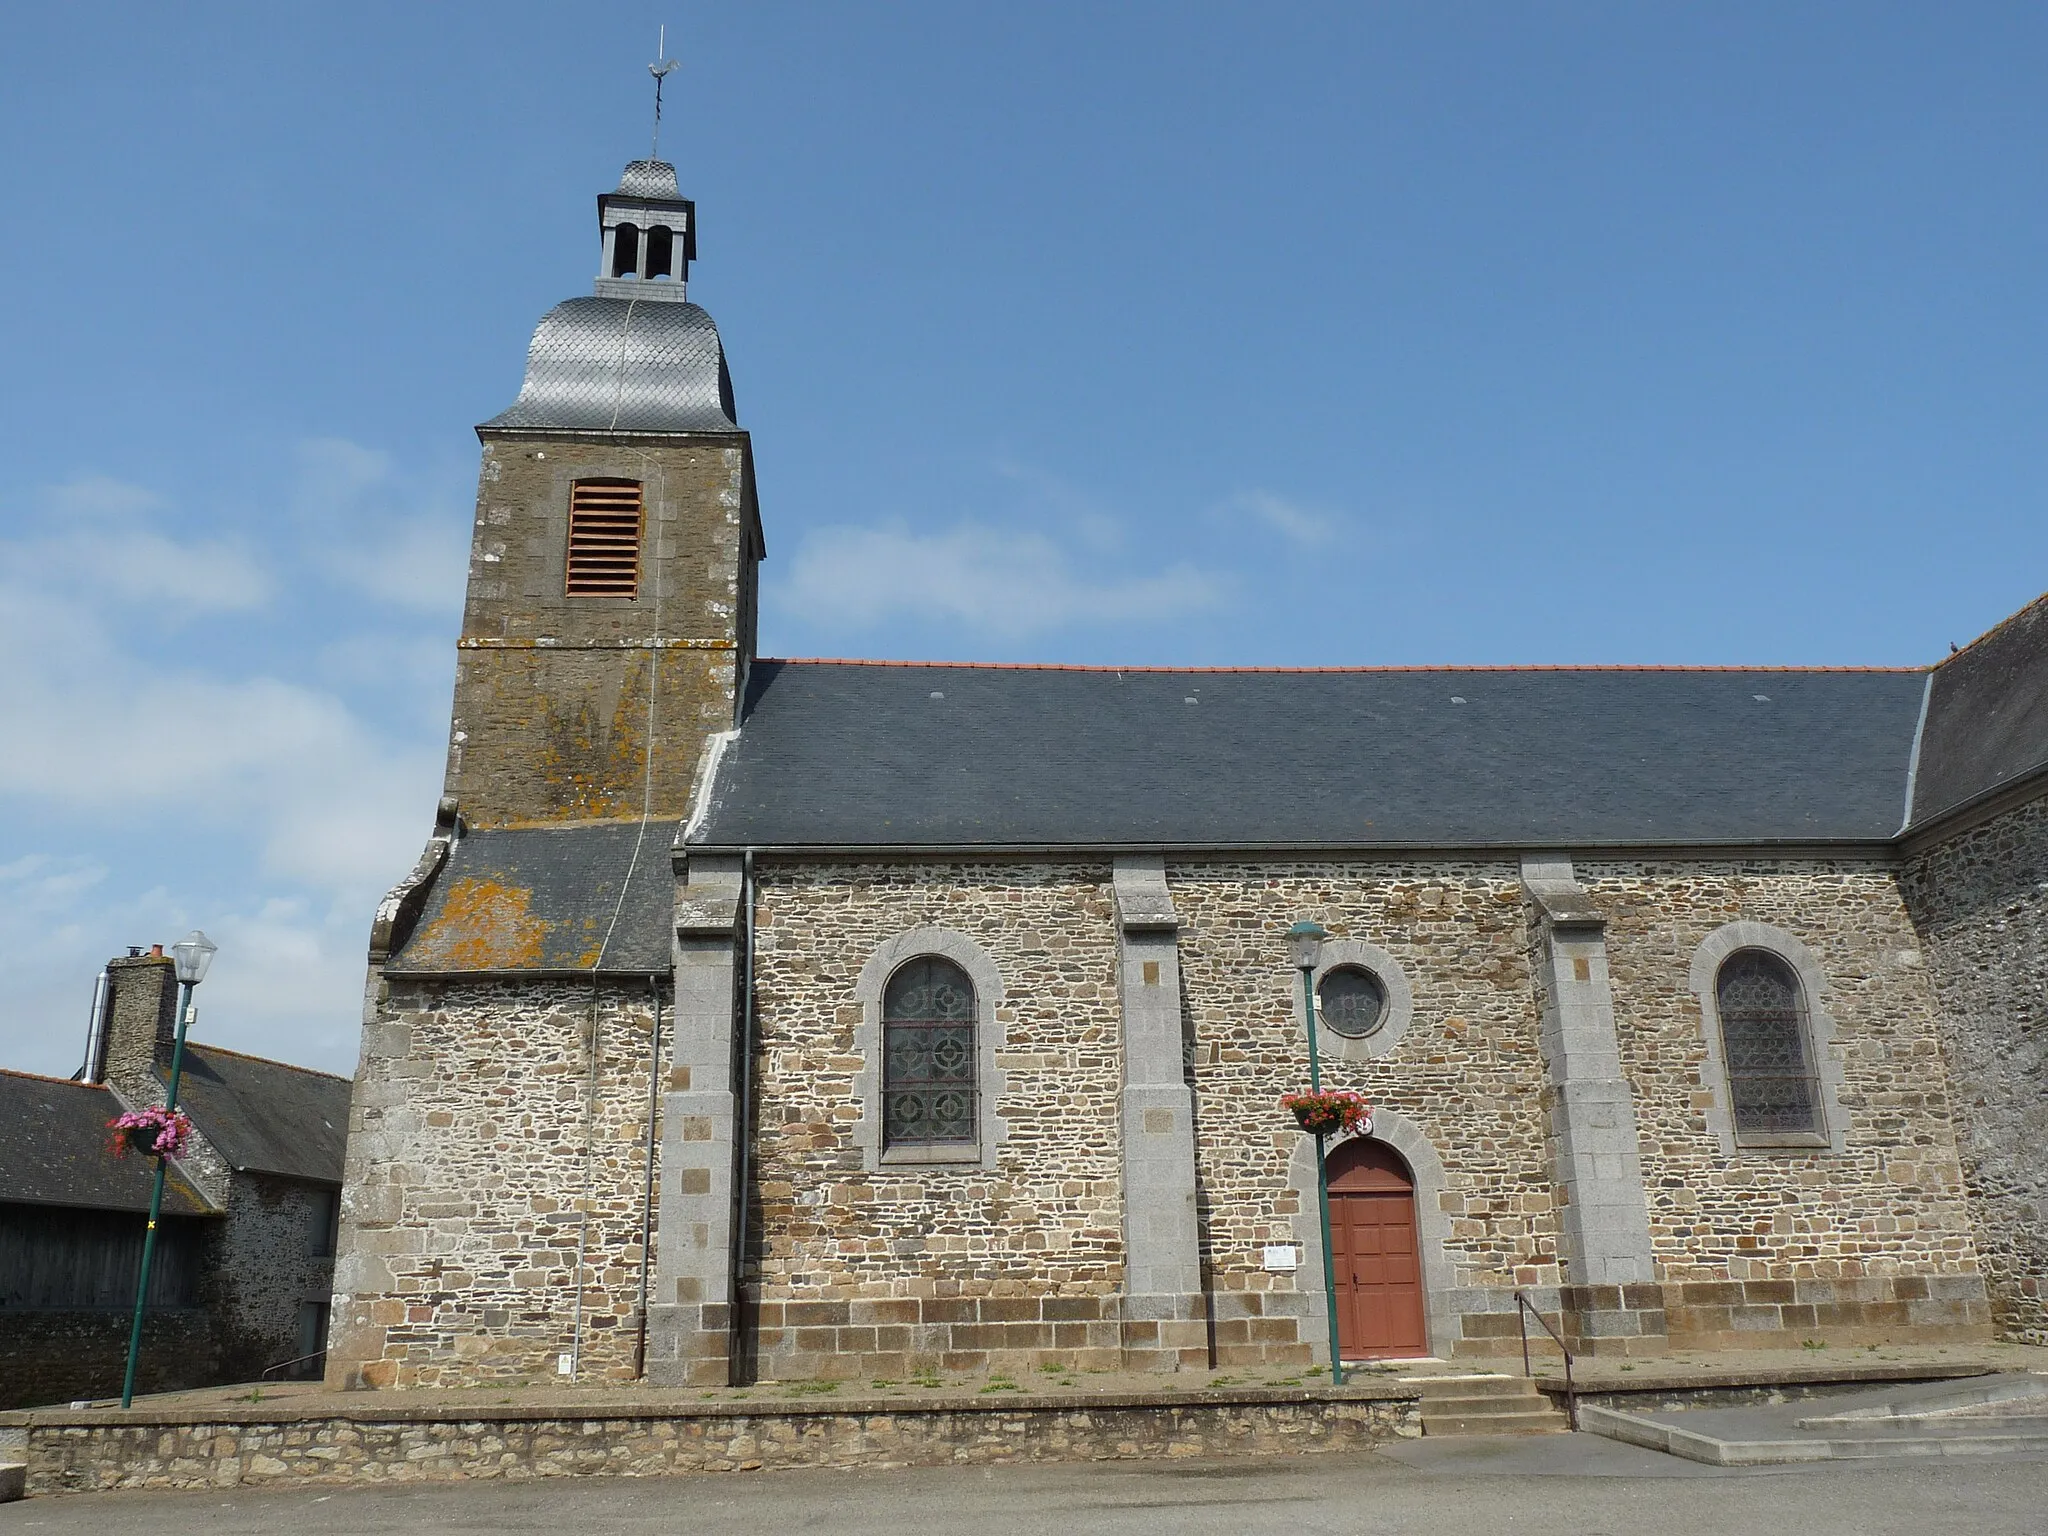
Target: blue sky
1154	334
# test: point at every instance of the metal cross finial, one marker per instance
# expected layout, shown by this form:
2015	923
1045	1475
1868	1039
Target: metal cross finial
660	69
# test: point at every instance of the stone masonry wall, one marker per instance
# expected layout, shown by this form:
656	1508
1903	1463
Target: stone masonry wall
1980	902
270	1264
62	1356
1468	1071
552	692
1770	1245
468	1147
488	1121
947	1266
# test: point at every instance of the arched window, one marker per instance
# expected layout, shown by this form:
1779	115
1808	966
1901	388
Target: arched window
1772	1087
928	1087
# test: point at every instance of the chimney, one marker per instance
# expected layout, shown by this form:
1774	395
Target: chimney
140	1022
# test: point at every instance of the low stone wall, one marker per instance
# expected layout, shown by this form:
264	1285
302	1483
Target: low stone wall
375	1443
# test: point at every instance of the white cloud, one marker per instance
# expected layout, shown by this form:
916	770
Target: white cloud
220	776
37	882
89	726
287	983
381	532
1305	526
981	578
93	498
93	537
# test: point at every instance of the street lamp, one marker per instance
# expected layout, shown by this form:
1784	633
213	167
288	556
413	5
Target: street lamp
1305	939
190	957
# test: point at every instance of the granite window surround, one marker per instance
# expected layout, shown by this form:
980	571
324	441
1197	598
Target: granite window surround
1398	1014
1715	951
990	1080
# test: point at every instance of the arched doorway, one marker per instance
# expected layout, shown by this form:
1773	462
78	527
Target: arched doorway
1378	1260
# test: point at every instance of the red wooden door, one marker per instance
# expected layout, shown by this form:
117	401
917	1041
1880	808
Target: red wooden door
1376	1255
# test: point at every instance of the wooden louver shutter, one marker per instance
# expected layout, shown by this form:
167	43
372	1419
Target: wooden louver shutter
604	539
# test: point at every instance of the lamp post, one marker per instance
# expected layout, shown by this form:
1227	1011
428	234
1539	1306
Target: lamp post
190	956
1306	940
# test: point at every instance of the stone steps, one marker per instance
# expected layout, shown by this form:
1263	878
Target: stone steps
1485	1405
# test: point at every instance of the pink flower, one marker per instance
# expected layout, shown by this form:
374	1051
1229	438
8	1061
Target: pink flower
164	1132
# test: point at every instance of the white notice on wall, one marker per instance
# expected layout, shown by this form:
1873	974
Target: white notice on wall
1282	1258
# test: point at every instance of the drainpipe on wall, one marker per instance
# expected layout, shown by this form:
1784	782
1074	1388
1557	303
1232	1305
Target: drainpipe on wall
647	1195
743	1115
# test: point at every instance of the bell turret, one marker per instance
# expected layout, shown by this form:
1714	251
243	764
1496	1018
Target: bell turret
650	235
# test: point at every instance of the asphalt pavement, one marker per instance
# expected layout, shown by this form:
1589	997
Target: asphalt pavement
1571	1485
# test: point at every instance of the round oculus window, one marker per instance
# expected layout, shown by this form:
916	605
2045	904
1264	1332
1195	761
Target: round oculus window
1354	1001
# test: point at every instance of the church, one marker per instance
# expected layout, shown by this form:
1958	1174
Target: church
754	1019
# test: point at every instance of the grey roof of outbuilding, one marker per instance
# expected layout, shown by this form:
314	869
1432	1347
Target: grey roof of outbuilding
844	755
54	1151
548	901
610	365
265	1116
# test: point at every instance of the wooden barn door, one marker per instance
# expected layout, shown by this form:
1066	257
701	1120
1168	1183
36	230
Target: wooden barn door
1377	1257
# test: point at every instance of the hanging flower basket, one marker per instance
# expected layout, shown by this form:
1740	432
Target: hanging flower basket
152	1132
1325	1113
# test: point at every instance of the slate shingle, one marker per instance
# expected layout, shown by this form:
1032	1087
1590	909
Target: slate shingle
851	755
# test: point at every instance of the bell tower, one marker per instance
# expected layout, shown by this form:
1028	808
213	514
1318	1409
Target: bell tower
611	606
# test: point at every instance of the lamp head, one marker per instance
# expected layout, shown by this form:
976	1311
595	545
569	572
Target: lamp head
192	955
1305	938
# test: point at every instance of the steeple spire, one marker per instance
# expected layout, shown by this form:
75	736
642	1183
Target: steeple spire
662	67
648	227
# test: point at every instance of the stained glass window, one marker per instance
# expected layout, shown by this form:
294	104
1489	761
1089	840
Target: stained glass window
928	1055
1354	1001
1763	1032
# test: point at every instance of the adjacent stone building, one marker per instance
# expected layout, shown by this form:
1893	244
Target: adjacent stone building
244	1264
757	1018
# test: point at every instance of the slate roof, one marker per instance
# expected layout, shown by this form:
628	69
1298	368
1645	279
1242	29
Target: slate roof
1987	716
610	365
53	1151
649	178
845	755
264	1116
542	901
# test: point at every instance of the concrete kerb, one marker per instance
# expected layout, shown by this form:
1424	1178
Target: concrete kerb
1941	1403
1989	1415
1694	1445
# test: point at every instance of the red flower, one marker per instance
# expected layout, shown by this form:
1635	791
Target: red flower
1331	1110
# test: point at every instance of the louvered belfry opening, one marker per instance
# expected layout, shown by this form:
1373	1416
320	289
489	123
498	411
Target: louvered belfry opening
604	539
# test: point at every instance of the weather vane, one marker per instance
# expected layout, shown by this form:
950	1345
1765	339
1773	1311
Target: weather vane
660	69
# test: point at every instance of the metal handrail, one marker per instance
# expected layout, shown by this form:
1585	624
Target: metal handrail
1526	1309
285	1365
